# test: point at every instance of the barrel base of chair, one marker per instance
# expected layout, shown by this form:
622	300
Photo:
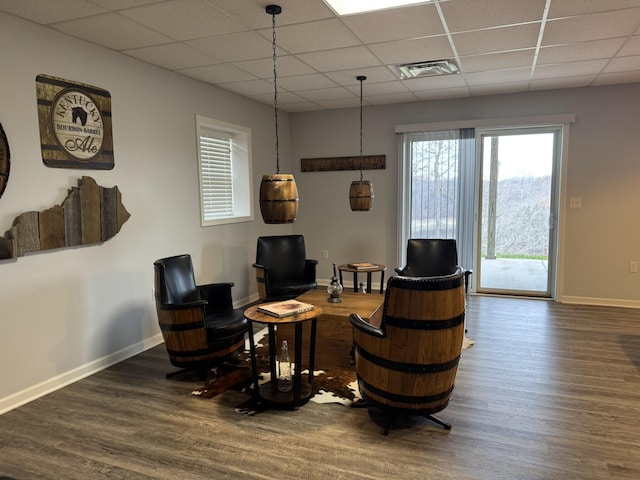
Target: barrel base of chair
202	365
391	416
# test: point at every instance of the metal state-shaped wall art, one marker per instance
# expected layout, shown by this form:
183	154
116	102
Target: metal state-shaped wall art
89	215
4	161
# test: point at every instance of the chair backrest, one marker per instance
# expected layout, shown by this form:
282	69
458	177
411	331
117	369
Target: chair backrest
174	280
430	257
413	365
285	256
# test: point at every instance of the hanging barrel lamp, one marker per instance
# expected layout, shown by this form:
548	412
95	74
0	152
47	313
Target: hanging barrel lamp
278	193
361	191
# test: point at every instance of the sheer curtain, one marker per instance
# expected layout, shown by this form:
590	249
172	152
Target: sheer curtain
437	184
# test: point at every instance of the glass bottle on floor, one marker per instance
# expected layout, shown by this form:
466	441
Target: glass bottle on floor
284	369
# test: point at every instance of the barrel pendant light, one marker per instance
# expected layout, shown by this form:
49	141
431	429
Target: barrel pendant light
278	193
361	192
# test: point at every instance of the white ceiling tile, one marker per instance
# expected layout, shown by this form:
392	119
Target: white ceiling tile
623	64
302	107
184	19
287	66
342	103
497	89
614	78
340	59
464	15
172	56
113	31
594	26
572	69
388	25
234	50
442	93
568	8
48	12
235	47
251	88
306	82
284	98
373	89
221	73
326	94
567	82
115	5
498	76
373	74
497	39
497	61
312	36
414	50
572	52
392	98
253	13
632	47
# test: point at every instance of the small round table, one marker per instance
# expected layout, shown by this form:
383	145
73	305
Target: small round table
345	267
269	392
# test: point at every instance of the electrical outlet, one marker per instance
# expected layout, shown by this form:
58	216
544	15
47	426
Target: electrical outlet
325	254
633	267
575	202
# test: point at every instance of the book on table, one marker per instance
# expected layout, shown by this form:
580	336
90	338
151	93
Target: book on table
363	265
285	308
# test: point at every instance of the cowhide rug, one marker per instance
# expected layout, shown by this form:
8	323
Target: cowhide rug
335	383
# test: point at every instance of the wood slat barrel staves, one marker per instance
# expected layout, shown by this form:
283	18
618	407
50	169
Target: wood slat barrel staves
413	368
278	198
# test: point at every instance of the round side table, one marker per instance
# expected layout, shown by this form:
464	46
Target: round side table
369	270
268	392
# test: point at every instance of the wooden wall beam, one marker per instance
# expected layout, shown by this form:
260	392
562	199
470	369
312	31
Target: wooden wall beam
327	164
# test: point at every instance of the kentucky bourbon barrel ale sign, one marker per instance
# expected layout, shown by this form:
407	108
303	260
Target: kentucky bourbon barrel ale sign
75	124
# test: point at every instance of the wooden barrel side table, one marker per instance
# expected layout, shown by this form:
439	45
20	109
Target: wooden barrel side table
268	392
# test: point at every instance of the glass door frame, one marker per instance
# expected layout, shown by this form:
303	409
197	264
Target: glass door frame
554	208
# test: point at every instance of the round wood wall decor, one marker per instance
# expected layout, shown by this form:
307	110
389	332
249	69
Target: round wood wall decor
4	161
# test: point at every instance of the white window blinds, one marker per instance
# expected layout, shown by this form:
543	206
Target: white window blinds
216	157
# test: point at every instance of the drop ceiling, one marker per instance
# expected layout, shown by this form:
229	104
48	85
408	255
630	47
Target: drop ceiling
500	46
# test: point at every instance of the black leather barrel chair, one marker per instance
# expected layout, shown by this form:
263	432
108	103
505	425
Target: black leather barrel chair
432	257
283	270
200	327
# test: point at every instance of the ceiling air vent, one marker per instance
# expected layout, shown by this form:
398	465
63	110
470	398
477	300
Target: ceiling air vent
428	68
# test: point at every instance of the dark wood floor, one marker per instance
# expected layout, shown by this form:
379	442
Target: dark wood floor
548	392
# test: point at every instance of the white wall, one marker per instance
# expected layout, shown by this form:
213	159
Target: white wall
67	312
603	168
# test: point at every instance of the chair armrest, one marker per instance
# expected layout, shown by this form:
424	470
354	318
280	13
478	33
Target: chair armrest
399	270
310	270
221	288
183	306
357	322
258	265
217	296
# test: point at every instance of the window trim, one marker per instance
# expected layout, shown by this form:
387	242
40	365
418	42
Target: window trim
242	175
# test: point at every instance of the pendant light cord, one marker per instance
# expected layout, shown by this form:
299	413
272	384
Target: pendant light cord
275	90
361	78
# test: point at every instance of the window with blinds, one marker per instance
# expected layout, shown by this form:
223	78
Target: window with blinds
225	172
217	175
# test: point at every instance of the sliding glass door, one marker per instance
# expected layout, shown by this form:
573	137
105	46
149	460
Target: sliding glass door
516	224
494	191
